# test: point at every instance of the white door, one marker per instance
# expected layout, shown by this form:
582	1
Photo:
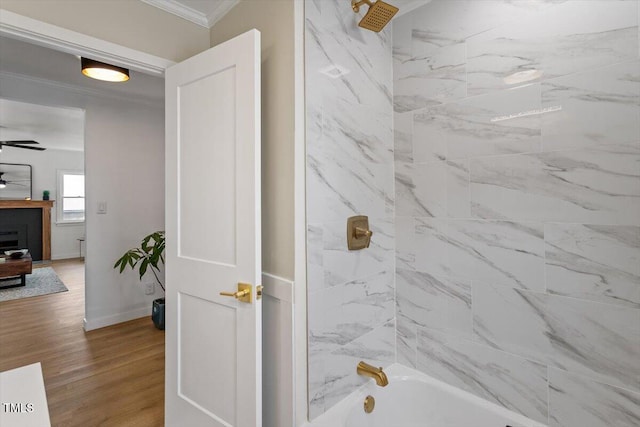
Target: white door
213	342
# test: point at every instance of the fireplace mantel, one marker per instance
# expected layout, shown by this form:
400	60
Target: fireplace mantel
46	206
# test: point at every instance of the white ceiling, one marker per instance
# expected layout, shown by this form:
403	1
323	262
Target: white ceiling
201	12
52	127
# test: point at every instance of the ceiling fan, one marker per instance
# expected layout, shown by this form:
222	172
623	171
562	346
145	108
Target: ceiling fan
4	182
21	144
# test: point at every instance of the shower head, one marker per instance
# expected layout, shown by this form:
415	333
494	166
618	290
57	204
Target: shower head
378	15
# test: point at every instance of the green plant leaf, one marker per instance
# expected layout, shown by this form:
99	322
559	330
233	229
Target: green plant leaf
150	253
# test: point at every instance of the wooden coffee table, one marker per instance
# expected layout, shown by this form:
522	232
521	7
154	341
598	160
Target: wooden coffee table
12	268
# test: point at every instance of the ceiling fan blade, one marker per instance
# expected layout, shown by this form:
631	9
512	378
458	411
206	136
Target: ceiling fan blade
29	141
28	148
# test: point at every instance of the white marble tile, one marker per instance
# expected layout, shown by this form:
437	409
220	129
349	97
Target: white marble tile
436	303
429	246
406	341
342	265
357	133
598	340
421	81
420	190
405	243
594	262
458	191
599	106
315	380
343	313
401	38
403	137
429	140
444	23
596	185
501	252
350	171
502	378
578	401
511	320
356	148
479	126
345	61
315	267
560	40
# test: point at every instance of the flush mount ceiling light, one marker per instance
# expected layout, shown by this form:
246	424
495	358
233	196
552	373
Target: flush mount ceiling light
101	71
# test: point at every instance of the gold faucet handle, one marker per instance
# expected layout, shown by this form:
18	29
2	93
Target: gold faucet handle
363	232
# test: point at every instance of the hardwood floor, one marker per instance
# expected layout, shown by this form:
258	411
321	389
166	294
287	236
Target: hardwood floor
112	376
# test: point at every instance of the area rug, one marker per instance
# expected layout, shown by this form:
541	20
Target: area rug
42	281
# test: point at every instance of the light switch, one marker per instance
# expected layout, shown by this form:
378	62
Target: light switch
102	207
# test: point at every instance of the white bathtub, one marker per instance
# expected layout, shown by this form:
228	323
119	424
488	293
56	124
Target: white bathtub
413	399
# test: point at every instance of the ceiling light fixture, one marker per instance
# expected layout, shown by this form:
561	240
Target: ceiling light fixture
101	71
3	183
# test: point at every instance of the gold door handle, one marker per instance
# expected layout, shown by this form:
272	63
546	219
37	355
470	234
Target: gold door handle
243	294
237	295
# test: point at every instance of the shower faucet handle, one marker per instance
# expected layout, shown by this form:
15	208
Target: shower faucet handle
358	232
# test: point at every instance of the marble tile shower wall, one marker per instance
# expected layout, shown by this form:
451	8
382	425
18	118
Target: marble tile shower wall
349	136
517	190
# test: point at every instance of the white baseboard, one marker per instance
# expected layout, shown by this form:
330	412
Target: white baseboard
65	256
101	322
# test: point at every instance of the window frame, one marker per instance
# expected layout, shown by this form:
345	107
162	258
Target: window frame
60	199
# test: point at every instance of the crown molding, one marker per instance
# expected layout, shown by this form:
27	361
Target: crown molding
51	36
179	9
185	12
221	11
79	90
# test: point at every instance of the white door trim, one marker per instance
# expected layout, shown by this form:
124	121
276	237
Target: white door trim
300	407
43	34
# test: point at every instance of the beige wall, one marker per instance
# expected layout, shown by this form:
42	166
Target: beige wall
129	23
274	20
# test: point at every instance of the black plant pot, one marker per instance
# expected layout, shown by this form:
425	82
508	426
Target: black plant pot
157	314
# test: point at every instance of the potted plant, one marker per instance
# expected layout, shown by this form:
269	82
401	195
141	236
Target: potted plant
45	195
148	257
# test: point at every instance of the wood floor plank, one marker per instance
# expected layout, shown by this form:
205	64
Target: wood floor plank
112	376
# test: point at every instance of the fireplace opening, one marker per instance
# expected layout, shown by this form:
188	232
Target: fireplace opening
21	229
13	237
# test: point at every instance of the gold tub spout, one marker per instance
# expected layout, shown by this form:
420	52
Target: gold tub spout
377	374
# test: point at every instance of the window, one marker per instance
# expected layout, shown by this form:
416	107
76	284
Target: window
70	203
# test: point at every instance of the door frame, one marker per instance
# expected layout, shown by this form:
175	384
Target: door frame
300	330
44	34
23	28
